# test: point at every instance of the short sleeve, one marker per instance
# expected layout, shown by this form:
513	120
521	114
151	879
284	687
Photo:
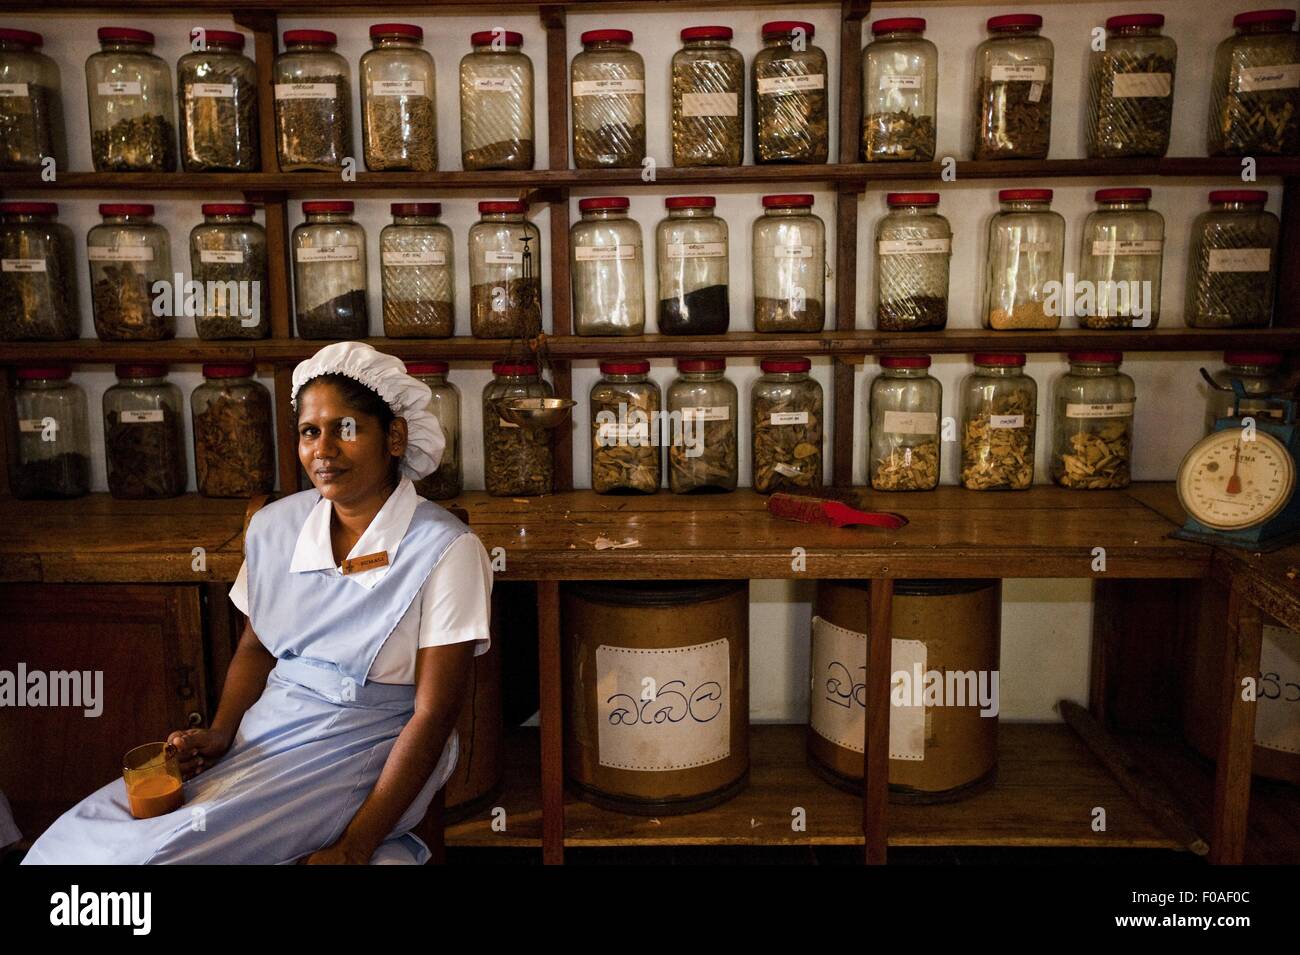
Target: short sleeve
456	602
239	589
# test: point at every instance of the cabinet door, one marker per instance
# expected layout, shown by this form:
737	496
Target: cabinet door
137	653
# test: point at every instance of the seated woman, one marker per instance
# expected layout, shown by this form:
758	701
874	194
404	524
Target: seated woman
365	605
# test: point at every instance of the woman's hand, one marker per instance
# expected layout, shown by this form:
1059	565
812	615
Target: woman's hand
340	853
198	749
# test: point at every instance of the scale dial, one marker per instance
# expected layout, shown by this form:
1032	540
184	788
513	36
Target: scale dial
1229	484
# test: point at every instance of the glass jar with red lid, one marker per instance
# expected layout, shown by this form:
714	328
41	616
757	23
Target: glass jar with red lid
399	127
144	434
1092	445
447	480
1013	90
38	285
913	248
31	112
791	117
329	272
1120	257
999	418
900	92
1131	89
1232	262
52	457
234	447
906	410
496	102
789	249
625	429
217	87
517	461
607	81
313	103
702	410
1026	259
505	272
128	253
693	257
417	262
228	256
132	110
786	422
1255	91
607	264
708	77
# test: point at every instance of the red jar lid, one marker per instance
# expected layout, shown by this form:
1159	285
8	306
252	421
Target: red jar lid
1239	195
912	198
1135	20
140	371
602	202
899	25
237	370
507	367
1122	195
227	209
690	202
1014	21
408	30
788	201
129	34
1096	357
416	208
1025	195
785	364
25	37
624	367
485	38
701	364
29	208
999	358
426	368
326	205
221	37
1263	16
325	37
44	371
126	209
786	27
904	361
706	33
1252	358
610	36
503	205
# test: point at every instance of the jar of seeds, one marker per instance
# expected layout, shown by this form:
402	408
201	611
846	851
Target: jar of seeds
608	269
447	481
1131	89
496	103
132	112
1120	257
505	268
708	99
693	268
218	103
1232	262
31	112
900	91
1260	374
999	415
789	266
398	124
228	256
786	418
416	254
234	450
128	252
1013	90
144	435
1026	256
608	85
38	290
913	246
702	406
52	459
791	118
313	103
329	272
625	421
1255	92
906	407
1093	441
517	462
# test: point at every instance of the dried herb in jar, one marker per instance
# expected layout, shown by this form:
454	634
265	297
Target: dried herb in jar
787	457
506	154
26	128
400	133
898	134
62	476
708	140
625	460
123	305
912	312
610	144
1024	315
343	316
516	460
442	484
995	457
1259	121
315	131
1014	120
790	125
141	143
223	282
146	459
714	467
37	306
1128	125
421	318
233	456
516	313
705	311
914	468
1097	459
778	314
210	124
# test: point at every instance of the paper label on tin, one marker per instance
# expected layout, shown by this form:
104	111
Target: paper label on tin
697	250
221	256
493	257
1112	409
1128	85
306	91
493	84
777	85
22	265
914	246
1240	260
604	253
1127	246
607	87
711	104
120	253
788	417
911	422
397	88
896	81
1254	79
212	90
793	252
330	253
120	88
1277	713
14	89
31	425
394	257
140	417
665	709
1019	74
839	677
1006	421
788	470
707	413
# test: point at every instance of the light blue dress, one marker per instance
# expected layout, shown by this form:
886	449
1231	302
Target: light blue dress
310	750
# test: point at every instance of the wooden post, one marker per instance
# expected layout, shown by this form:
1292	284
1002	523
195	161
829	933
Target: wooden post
286	442
279	270
8	428
557	86
875	782
551	706
264	27
1286	311
557	131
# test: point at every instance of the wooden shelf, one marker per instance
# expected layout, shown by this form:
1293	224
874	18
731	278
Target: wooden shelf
1046	788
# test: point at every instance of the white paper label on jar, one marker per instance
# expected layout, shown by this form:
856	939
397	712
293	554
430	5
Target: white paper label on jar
1099	409
707	413
1254	79
394	257
605	253
306	91
221	256
839	691
710	104
503	423
914	246
791	84
896	81
697	250
789	470
493	257
31	425
1006	421
397	88
212	90
788	417
1277	711
1019	74
793	252
1127	246
911	422
120	253
493	84
1240	260
120	88
141	417
607	87
330	253
14	89
1127	85
663	709
22	265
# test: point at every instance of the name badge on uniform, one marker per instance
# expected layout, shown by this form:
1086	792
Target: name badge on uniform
354	565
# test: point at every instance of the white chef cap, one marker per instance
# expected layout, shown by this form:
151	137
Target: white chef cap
386	375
